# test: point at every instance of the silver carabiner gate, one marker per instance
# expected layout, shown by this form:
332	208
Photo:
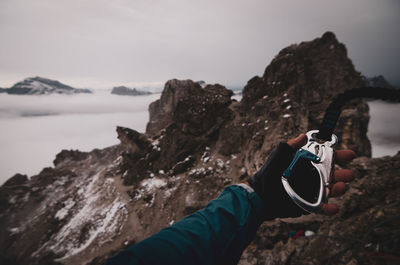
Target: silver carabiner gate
321	156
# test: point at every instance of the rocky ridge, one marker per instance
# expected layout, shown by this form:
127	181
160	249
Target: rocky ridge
377	81
126	91
41	86
198	140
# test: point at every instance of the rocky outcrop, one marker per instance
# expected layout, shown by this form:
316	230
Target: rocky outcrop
299	84
176	107
41	86
376	81
126	91
59	212
198	140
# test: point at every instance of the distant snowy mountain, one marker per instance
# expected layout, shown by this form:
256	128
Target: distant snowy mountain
41	86
3	90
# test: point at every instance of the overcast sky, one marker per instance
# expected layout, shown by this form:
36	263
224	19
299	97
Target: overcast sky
102	43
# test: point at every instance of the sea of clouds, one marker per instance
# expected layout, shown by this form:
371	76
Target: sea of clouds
33	129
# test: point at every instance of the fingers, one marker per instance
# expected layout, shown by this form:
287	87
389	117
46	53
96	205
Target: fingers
340	176
338	189
343	175
330	209
298	142
344	156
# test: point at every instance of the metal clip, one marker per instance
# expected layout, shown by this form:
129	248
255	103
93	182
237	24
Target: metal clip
321	156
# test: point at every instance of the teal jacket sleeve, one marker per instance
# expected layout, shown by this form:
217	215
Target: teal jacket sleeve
217	234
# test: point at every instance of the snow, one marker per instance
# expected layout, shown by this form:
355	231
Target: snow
96	209
205	157
286	100
289	107
220	163
152	184
39	87
287	115
148	186
106	224
169	192
117	161
12	200
62	213
197	171
109	181
266	128
14	230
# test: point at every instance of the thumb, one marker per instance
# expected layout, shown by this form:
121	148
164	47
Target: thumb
298	142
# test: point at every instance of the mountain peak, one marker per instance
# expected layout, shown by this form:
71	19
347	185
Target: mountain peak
40	86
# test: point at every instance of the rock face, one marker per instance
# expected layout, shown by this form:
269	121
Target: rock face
198	140
40	86
125	91
310	74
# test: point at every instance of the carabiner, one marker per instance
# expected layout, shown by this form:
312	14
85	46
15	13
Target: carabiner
321	156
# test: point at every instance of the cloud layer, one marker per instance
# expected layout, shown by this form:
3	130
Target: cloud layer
30	142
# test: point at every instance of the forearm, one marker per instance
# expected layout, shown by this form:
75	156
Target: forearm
214	235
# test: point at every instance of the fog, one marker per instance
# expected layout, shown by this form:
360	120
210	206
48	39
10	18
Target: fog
384	128
33	129
30	137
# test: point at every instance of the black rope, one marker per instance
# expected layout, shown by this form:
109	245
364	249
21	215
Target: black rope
334	109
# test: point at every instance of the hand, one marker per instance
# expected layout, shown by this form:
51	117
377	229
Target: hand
267	181
338	187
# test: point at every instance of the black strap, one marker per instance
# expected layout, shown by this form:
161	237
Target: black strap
333	111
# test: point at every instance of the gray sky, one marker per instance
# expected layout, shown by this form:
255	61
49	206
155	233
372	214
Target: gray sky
102	43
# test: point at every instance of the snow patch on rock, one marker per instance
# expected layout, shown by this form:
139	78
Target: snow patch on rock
62	213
